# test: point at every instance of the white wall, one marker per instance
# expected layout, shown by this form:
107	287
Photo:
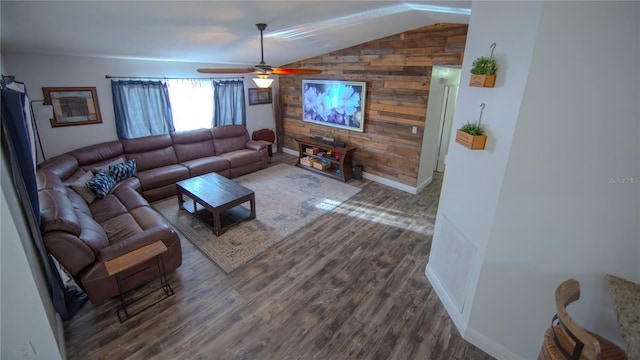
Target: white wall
30	327
39	71
542	205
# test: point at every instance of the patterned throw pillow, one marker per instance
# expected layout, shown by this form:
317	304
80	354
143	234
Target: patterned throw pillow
101	184
123	170
105	167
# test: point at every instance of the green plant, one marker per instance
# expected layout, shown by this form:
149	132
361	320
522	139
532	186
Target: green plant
329	136
484	66
472	129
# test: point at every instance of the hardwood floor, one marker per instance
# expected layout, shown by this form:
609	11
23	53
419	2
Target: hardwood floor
352	286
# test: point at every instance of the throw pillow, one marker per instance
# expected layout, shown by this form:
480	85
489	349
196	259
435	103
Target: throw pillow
123	170
101	184
105	167
80	186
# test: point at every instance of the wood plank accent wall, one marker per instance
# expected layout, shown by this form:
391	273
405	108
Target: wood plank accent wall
397	70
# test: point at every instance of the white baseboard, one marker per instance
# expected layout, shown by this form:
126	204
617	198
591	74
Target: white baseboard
289	151
469	334
378	179
390	183
447	301
424	184
491	347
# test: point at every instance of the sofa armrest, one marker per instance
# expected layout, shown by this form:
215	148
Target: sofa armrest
135	242
255	145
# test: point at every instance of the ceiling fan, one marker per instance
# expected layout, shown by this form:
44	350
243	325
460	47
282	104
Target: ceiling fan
262	70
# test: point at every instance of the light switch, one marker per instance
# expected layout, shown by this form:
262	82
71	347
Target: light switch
414	130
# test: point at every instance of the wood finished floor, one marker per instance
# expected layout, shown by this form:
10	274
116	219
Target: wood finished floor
351	286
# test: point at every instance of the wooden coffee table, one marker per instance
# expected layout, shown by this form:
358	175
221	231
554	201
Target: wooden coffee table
217	201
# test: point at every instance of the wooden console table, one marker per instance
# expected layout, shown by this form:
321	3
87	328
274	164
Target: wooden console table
340	169
127	261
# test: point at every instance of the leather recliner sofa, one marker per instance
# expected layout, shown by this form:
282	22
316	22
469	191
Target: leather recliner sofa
82	236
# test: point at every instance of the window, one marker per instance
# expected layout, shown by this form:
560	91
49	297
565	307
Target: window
144	108
191	103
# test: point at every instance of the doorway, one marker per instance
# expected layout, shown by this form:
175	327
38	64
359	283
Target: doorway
443	93
446	122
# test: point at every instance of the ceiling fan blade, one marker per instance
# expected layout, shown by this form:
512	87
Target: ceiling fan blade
226	71
262	69
292	71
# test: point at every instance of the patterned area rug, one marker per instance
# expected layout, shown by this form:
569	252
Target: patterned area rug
287	199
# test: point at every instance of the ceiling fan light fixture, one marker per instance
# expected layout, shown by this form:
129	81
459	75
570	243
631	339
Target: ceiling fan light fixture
263	81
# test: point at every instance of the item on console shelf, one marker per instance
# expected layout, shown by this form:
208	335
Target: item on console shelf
328	142
357	172
322	165
312	151
306	161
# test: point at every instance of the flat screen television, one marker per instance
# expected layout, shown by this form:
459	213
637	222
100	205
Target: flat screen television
334	103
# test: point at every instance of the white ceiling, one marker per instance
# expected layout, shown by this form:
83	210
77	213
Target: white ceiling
221	33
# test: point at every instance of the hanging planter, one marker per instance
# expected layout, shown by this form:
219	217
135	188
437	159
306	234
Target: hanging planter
473	142
483	81
483	71
471	135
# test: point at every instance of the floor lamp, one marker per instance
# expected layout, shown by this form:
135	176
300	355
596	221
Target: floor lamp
44	110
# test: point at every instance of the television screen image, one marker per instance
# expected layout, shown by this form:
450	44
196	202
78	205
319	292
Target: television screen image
334	103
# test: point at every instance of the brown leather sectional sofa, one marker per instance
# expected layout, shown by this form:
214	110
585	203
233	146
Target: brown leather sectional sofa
82	235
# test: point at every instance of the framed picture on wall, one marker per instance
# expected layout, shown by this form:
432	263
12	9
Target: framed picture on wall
73	105
259	96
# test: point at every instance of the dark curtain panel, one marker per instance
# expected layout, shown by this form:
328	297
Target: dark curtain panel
278	115
229	103
16	148
142	108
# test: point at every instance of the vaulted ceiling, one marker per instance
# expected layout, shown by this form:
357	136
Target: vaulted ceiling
221	33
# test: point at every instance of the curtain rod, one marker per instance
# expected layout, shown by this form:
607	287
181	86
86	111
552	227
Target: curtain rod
170	78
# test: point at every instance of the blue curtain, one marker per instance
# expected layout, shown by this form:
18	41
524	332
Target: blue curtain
229	103
16	151
142	108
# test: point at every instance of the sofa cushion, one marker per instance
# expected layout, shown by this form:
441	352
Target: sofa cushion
92	234
57	213
129	198
123	170
101	184
103	153
161	176
229	138
131	183
46	179
147	218
63	166
242	157
104	209
78	202
150	152
193	144
81	188
206	165
69	250
120	227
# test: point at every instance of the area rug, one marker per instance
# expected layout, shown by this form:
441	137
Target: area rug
287	199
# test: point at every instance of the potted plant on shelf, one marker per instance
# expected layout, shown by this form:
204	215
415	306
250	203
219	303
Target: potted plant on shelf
483	72
471	135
